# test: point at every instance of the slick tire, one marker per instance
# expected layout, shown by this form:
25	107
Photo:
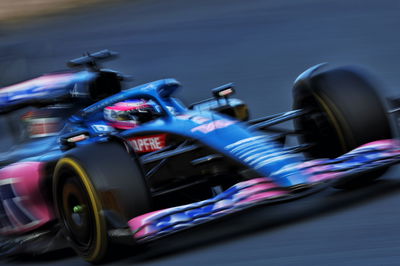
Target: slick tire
345	111
90	182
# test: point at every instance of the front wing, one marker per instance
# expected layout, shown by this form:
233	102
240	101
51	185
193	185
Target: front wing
322	173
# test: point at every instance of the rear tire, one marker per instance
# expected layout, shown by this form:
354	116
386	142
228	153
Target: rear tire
93	180
345	112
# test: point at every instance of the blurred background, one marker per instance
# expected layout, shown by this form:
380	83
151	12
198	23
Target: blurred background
261	46
14	11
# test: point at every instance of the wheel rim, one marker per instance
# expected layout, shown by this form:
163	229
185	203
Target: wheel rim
77	213
319	129
79	210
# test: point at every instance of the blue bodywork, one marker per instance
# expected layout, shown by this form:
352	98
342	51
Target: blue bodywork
47	88
221	133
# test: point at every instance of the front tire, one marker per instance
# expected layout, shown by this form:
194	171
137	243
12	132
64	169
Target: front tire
93	180
345	111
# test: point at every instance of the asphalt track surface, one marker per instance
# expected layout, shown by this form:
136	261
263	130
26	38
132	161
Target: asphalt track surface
261	46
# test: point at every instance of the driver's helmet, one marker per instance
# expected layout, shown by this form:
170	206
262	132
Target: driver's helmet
129	114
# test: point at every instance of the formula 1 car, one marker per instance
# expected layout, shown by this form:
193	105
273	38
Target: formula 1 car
87	164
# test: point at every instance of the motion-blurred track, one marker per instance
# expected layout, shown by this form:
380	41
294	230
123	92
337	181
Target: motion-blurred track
207	43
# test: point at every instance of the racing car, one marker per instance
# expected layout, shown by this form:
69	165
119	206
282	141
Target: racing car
87	163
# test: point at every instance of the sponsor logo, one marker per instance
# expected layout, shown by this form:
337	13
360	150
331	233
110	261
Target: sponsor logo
214	125
76	92
195	118
148	143
99	128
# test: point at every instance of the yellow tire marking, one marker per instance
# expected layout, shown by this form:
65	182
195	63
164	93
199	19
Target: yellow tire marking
95	202
334	121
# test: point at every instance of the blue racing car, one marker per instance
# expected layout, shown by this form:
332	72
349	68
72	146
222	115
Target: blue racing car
86	163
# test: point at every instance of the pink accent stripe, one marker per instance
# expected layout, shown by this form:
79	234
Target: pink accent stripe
25	178
248	192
